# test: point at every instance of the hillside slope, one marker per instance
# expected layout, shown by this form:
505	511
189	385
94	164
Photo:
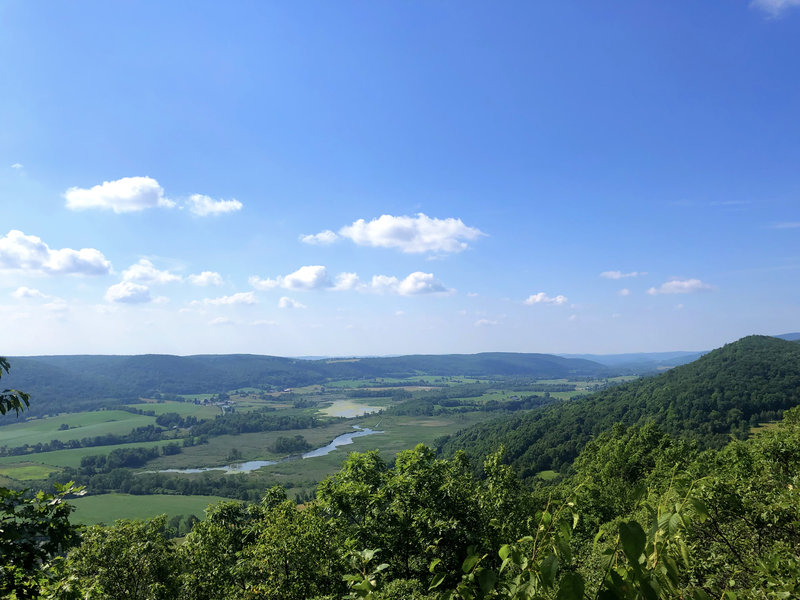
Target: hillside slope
726	391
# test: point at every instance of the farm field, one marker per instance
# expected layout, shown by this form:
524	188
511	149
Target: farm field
406	412
107	508
81	425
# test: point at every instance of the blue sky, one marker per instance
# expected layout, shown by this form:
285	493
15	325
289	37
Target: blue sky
333	178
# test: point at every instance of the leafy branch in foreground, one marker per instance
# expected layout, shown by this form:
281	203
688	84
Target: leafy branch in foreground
11	399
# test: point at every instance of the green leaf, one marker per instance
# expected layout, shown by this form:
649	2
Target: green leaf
549	568
633	541
470	563
486	580
570	587
437	580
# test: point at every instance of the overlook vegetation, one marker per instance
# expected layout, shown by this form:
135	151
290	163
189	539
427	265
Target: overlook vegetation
652	488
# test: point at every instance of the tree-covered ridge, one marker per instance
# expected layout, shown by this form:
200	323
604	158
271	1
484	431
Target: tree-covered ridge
75	383
722	393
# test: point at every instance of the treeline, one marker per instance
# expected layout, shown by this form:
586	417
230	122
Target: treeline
724	393
255	421
439	406
642	515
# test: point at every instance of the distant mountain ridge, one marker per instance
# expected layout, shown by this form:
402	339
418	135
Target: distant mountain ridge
642	362
78	382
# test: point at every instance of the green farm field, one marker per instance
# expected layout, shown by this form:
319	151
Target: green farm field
81	425
72	457
107	508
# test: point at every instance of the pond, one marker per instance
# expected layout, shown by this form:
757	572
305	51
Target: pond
253	465
348	409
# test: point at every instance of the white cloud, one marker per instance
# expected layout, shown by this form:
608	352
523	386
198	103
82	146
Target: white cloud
486	323
620	274
347	281
206	278
787	225
30	253
774	7
145	272
286	302
17	166
129	194
127	292
624	292
421	283
309	277
681	286
220	321
542	298
26	293
238	298
320	239
399	313
415	284
205	206
412	234
472	294
315	277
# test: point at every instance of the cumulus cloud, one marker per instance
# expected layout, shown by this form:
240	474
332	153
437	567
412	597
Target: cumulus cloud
620	274
414	284
347	281
145	272
309	277
127	292
774	8
206	278
315	277
129	194
286	302
30	253
26	293
416	234
624	292
17	166
320	239
205	206
542	298
681	286
238	298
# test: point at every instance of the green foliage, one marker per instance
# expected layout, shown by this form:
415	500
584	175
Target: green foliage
11	399
33	531
132	560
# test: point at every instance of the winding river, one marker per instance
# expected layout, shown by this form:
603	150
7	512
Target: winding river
252	465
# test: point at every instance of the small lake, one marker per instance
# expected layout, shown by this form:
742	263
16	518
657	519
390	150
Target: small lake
348	409
253	465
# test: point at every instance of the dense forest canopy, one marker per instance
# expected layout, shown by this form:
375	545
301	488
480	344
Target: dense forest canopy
722	393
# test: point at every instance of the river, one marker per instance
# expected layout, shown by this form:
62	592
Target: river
253	465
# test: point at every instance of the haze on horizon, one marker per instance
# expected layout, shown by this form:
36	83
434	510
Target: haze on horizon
382	179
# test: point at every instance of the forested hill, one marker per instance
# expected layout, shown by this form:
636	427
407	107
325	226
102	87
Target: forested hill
79	382
724	392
